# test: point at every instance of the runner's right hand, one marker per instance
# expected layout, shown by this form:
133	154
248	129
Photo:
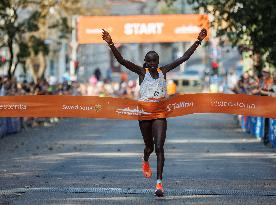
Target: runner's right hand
106	37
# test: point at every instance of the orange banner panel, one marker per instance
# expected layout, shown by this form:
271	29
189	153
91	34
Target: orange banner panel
142	29
120	108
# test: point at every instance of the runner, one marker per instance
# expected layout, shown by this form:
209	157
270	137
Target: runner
152	80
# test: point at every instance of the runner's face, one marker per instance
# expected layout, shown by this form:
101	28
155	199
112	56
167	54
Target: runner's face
152	61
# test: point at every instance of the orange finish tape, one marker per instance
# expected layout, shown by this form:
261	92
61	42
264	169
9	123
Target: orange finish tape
127	109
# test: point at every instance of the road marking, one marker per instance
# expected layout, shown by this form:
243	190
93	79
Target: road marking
171	192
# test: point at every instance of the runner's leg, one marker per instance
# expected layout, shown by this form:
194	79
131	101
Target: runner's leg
146	130
159	127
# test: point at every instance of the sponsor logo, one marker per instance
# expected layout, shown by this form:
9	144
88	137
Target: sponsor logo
93	31
96	107
183	104
232	104
96	30
13	107
128	111
187	29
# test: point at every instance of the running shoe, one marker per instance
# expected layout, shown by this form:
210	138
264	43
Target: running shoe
159	191
146	169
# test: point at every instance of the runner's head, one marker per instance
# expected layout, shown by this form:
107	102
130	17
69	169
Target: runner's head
151	60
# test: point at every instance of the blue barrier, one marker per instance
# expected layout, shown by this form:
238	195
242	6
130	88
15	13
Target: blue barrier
252	128
272	132
257	126
3	126
242	122
247	124
13	125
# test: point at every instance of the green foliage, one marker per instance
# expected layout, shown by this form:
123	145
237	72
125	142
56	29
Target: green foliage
168	9
272	54
169	2
38	45
249	23
24	51
32	22
15	30
19	31
62	26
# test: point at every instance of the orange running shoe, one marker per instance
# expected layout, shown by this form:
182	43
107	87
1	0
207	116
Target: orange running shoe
146	169
159	191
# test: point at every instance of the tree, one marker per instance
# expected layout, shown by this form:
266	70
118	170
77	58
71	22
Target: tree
247	23
12	28
28	25
168	2
55	26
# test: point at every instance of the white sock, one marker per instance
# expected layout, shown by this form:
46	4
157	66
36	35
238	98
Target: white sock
159	181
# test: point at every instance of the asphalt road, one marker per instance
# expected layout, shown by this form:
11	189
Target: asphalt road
209	160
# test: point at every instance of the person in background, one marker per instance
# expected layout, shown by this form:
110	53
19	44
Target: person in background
98	74
253	83
273	93
266	84
242	84
171	87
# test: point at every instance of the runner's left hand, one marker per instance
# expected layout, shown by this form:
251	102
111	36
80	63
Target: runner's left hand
202	34
106	37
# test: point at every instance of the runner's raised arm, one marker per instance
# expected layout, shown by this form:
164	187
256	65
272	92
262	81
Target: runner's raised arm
187	54
129	65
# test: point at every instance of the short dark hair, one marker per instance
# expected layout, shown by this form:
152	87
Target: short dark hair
151	53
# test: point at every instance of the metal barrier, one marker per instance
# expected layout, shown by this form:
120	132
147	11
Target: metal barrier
13	125
9	126
272	132
257	127
247	123
3	126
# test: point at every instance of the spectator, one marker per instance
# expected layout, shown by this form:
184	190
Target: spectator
274	85
242	85
171	87
266	83
98	74
253	83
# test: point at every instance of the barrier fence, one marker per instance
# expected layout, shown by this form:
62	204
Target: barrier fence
10	126
257	128
253	125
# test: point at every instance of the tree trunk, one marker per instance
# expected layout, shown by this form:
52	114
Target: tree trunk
37	66
10	44
42	68
14	69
